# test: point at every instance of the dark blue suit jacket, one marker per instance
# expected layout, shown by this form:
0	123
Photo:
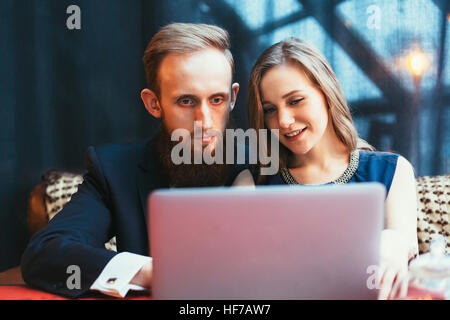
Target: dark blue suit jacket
110	202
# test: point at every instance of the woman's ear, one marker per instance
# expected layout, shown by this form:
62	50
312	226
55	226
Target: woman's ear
151	102
234	92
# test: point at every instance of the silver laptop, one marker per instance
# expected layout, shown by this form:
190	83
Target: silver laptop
272	242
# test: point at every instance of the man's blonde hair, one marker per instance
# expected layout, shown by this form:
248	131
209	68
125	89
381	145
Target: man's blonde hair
183	38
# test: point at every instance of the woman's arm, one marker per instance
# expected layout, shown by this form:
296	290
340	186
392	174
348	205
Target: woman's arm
399	239
244	179
401	205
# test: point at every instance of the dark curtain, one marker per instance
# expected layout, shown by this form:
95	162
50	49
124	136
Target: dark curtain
63	90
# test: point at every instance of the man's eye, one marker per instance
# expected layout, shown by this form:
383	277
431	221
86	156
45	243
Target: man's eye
294	102
186	102
217	100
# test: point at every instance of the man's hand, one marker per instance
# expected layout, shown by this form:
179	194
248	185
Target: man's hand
144	276
393	266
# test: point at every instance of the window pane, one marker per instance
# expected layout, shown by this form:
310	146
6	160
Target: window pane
256	13
354	82
393	28
446	74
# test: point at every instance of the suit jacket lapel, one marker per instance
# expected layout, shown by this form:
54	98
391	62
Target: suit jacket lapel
148	177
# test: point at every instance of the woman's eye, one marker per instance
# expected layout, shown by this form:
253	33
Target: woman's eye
294	102
269	110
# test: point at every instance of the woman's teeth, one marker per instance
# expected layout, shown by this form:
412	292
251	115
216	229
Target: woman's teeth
293	134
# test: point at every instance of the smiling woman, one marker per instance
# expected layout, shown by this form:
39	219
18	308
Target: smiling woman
297	74
308	104
293	89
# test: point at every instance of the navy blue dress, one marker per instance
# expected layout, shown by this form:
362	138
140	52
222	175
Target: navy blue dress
370	167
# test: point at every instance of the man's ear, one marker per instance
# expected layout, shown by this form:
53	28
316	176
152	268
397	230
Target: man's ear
234	92
151	102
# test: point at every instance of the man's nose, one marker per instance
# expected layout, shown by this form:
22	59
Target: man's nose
285	118
203	114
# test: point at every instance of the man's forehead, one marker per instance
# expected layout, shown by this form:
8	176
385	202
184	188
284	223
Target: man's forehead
206	69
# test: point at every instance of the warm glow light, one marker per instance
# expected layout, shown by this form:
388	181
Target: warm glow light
417	62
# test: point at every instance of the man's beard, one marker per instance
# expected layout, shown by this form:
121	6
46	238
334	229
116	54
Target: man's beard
190	175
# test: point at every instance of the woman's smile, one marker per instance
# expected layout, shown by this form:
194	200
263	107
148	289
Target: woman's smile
295	135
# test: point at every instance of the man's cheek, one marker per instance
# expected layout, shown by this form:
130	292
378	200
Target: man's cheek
224	119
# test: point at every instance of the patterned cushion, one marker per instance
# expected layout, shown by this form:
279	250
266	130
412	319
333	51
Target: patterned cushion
57	188
433	210
50	196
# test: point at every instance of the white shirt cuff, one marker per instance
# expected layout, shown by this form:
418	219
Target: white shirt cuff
117	274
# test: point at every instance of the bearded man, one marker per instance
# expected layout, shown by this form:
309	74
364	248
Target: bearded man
189	70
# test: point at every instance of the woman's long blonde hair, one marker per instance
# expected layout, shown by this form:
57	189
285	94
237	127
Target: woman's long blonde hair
316	68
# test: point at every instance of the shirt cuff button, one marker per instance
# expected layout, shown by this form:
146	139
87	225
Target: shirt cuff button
111	280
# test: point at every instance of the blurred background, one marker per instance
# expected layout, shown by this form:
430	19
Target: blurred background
62	90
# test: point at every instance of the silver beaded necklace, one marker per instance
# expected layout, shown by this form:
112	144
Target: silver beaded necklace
344	178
